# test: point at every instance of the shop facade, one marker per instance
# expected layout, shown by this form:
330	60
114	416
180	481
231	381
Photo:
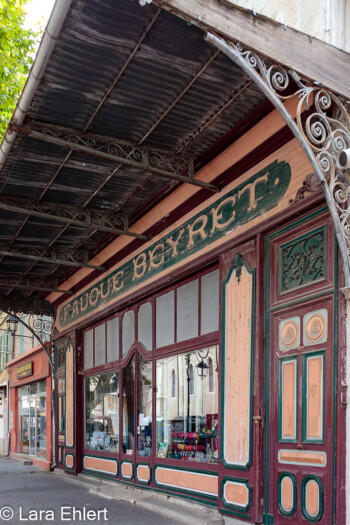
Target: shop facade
206	363
30	418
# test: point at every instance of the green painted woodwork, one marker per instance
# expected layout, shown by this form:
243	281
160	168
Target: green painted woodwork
279	493
252	198
302	261
227	504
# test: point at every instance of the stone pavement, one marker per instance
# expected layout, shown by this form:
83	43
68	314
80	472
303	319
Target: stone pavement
26	490
30	495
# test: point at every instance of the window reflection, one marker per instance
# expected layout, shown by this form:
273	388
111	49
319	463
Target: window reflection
144	413
187	423
102	413
128	407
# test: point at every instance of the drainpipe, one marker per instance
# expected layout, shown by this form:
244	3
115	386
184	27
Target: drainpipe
8	420
37	70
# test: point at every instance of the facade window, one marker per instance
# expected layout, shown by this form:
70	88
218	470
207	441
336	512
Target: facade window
32	419
173	383
101	412
187	424
5	349
211	375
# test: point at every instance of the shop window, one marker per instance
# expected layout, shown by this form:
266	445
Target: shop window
113	340
187	311
144	412
145	325
100	344
89	349
210	302
173	384
165	330
102	413
128	407
128	331
187	425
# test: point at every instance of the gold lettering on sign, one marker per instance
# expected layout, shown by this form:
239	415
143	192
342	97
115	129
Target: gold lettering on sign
192	230
175	243
83	308
105	295
216	214
93	297
75	308
117	281
157	252
140	266
253	202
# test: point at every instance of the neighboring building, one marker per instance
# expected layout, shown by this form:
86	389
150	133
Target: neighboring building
202	352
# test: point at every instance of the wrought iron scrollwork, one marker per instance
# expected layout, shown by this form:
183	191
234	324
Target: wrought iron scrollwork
321	125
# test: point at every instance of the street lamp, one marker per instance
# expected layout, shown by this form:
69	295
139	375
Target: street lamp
12	323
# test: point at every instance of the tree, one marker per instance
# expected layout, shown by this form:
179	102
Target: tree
17	47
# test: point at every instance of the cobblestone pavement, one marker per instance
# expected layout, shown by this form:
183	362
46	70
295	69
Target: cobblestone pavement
26	489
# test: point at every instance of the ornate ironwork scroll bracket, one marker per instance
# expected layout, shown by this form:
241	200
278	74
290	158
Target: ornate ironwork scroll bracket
321	126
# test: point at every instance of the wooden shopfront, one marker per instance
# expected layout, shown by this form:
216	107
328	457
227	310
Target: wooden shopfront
204	364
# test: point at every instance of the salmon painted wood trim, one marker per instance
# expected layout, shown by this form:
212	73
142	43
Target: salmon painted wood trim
108	467
205	483
313	397
287	494
127	470
255	196
288	399
236	493
312	498
70	401
237	370
302	457
69	461
143	473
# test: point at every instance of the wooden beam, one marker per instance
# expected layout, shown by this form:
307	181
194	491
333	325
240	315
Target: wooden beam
310	57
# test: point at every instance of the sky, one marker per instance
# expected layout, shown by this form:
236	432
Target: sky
38	11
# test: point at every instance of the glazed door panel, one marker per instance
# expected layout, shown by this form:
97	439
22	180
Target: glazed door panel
301	413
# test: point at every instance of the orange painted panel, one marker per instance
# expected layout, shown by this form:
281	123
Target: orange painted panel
312	500
69	461
289	399
183	479
287	494
237	369
70	396
61	439
143	472
100	464
236	493
127	470
303	457
315	397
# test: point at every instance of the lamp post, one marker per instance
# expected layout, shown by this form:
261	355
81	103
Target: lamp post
12	323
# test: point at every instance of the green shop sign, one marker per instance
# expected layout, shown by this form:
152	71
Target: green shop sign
257	195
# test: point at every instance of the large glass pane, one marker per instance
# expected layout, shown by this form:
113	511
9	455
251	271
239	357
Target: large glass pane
210	302
41	426
187	311
128	407
32	426
187	422
100	344
23	423
144	408
89	349
128	331
145	325
113	340
102	412
165	331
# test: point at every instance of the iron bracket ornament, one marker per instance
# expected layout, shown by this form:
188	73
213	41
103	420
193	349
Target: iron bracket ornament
41	284
64	256
321	126
26	305
85	218
151	160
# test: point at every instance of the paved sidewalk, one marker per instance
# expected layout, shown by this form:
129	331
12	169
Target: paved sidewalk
26	490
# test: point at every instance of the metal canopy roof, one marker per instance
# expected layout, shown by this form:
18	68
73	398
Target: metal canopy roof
138	75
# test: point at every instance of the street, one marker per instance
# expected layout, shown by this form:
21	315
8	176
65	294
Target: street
29	495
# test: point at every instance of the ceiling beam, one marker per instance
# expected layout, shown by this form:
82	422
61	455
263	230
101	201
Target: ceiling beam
61	256
310	57
104	221
152	160
31	283
26	305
